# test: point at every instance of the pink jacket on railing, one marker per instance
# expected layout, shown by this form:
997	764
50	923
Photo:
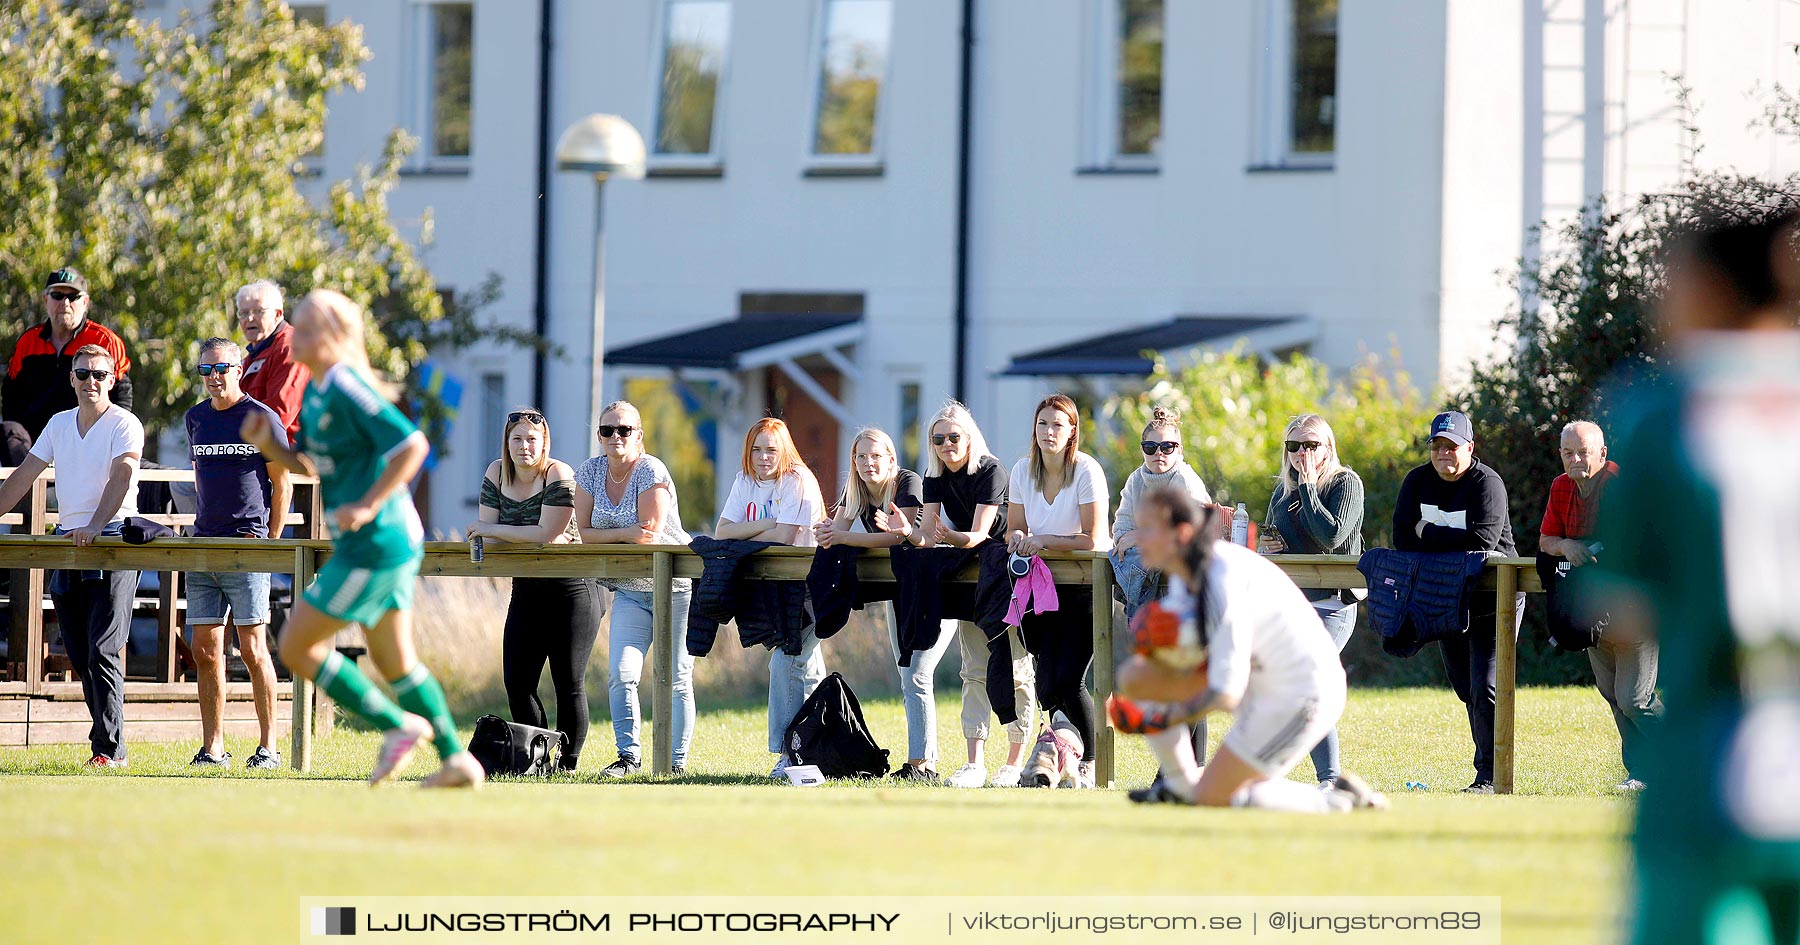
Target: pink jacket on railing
1035	593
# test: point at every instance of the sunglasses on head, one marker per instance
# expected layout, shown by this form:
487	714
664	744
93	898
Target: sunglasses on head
939	439
1165	447
1295	446
530	416
82	374
61	296
207	370
607	431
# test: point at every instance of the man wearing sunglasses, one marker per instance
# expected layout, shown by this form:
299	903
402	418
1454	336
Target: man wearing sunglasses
95	449
236	489
36	386
271	375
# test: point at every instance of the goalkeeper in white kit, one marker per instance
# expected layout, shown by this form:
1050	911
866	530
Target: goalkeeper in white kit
1233	635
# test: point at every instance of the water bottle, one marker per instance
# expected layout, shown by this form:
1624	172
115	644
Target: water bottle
1240	525
477	547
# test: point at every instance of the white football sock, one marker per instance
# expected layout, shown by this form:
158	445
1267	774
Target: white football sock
1174	750
1282	794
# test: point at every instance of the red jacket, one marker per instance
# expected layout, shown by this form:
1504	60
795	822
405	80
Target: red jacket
272	376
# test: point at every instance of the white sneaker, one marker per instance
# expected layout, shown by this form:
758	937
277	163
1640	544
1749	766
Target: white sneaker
460	770
1629	786
971	775
397	746
779	772
1084	776
1007	776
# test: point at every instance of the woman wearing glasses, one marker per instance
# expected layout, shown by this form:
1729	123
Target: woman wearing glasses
1317	509
625	495
1058	503
965	504
529	498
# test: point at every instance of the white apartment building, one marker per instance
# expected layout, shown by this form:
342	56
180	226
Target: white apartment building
842	225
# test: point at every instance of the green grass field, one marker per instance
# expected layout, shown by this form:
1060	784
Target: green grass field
159	854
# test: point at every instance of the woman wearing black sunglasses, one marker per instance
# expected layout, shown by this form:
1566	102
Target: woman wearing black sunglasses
528	497
625	495
1317	509
1164	465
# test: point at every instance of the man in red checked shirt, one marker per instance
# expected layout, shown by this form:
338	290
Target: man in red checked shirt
1624	668
271	375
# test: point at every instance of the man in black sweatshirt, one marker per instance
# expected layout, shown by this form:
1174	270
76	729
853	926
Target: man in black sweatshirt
1457	503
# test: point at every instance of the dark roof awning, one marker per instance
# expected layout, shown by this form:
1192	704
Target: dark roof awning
1124	352
740	344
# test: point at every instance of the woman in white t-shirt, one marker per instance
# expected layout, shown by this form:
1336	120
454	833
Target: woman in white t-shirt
1233	635
1057	502
775	498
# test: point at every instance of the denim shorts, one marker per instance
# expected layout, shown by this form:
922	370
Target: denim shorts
211	593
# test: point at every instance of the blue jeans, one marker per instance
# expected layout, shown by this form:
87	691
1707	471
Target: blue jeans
792	680
1340	622
916	688
628	641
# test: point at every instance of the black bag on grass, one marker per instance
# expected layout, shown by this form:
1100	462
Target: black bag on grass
505	747
829	731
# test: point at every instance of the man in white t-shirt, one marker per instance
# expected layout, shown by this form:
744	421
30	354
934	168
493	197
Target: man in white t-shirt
95	449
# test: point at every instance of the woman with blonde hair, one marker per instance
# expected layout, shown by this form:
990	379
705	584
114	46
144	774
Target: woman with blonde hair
364	452
1317	509
1058	503
625	495
879	509
529	497
965	490
775	498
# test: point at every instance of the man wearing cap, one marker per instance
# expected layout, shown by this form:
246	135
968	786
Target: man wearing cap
1624	664
37	375
1455	502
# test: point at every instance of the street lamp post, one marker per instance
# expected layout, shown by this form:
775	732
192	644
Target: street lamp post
606	146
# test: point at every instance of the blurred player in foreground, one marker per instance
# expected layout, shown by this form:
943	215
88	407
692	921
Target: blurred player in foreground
1235	635
1703	555
364	452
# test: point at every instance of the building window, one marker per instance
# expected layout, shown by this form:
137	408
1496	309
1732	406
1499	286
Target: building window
909	426
493	425
444	103
1301	83
853	65
1313	77
695	36
1127	96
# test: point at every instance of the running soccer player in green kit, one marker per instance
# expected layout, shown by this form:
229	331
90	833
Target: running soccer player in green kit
364	452
1702	534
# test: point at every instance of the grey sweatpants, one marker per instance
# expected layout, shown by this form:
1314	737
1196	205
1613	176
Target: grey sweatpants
1625	674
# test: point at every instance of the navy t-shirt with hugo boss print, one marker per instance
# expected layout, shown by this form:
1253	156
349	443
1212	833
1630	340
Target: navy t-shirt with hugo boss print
230	476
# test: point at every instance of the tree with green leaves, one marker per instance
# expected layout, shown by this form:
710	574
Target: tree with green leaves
165	159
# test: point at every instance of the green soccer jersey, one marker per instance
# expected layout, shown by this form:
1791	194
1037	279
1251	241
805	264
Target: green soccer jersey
350	430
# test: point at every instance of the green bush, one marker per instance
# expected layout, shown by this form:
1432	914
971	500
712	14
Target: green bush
1234	407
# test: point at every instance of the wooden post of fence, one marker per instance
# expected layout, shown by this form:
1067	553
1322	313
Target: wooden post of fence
300	751
33	591
1103	669
1506	659
662	643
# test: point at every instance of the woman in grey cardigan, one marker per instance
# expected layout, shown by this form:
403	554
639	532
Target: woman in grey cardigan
1317	509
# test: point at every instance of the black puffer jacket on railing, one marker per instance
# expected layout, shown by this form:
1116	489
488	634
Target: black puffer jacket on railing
1416	597
770	613
835	590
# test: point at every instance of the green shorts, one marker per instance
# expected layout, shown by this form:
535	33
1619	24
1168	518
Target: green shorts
362	595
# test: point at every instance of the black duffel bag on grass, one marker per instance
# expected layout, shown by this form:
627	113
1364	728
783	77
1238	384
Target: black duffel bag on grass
505	747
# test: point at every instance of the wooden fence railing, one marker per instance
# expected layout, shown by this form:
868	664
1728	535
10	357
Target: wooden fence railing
664	563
